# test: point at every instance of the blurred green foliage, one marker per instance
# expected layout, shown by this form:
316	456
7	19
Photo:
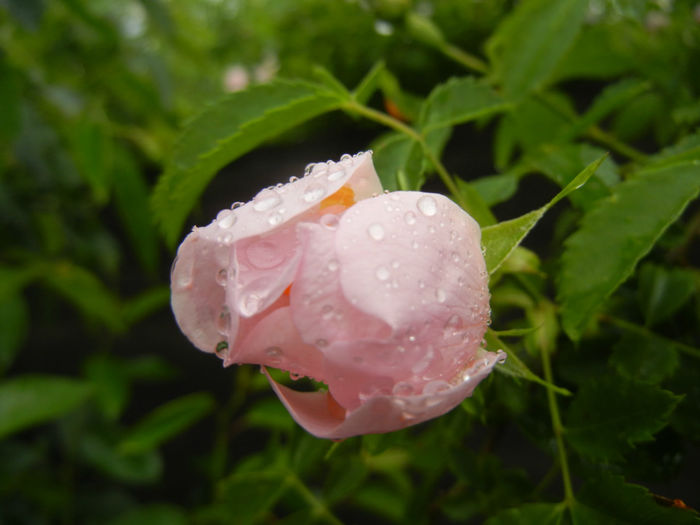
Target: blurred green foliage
93	95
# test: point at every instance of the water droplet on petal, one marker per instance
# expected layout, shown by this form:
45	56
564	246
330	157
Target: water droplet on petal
402	388
223	322
225	219
222	277
321	343
275	218
435	387
326	311
264	255
427	205
294	376
274	353
237	205
409	218
250	304
293	179
440	295
336	175
313	193
382	273
221	348
376	231
266	200
333	265
330	221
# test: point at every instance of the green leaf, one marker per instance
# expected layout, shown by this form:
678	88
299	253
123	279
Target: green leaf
131	199
501	239
457	101
398	161
530	514
612	97
609	416
146	303
474	203
369	84
647	359
662	291
495	189
687	149
85	291
109	382
32	399
621	503
142	468
343	479
529	44
225	131
615	234
269	413
514	366
561	163
166	421
92	152
247	495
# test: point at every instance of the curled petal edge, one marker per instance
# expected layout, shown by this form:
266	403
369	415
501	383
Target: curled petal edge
322	416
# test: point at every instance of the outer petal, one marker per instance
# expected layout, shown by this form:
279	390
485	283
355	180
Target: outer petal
207	275
275	342
320	415
426	277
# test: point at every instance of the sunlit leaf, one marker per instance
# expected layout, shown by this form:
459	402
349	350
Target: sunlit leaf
618	232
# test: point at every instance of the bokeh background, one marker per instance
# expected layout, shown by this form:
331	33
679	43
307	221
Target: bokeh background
133	424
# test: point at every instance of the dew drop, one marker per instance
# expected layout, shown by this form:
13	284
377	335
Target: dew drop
321	343
221	348
435	387
313	193
440	295
225	219
251	304
266	200
333	265
274	353
346	157
455	257
293	179
222	277
330	221
402	388
327	311
336	175
236	205
275	218
409	218
264	255
382	273
294	376
427	205
376	231
223	322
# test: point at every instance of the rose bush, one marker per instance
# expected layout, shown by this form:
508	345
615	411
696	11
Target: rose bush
381	296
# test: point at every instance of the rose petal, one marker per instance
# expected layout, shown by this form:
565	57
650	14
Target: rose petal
318	413
426	277
274	341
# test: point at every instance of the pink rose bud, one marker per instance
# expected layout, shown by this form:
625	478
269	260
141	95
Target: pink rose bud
382	297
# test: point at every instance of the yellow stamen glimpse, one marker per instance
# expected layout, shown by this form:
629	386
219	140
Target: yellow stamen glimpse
343	197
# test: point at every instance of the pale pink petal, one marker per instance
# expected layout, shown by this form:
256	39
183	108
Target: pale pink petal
274	341
318	413
414	261
198	298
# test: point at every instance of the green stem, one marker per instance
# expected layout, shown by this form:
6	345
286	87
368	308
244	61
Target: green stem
612	142
558	430
632	327
466	59
397	125
317	506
